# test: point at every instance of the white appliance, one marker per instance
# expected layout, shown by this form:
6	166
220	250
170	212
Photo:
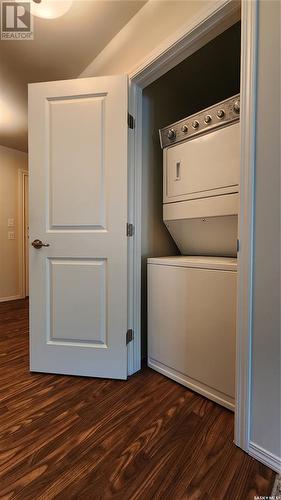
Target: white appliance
201	163
192	299
191	323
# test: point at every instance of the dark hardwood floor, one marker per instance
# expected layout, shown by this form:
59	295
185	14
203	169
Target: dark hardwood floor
148	438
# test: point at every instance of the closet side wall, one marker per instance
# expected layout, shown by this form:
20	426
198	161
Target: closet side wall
266	371
156	240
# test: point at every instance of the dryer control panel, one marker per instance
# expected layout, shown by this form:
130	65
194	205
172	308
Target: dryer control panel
220	115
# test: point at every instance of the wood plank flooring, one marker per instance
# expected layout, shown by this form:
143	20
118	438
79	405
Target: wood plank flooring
78	438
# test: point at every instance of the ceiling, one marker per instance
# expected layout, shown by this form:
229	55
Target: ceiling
61	49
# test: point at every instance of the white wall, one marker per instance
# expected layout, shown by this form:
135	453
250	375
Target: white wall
151	25
11	161
266	404
155	22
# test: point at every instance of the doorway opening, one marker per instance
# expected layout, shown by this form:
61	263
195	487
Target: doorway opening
13	223
208	76
186	43
23	201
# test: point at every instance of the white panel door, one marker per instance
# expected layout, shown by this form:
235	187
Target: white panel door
78	206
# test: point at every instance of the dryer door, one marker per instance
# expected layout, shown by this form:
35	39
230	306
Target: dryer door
207	165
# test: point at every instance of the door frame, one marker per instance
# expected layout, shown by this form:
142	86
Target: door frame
22	176
212	21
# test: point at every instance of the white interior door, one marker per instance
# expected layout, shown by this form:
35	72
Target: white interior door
78	206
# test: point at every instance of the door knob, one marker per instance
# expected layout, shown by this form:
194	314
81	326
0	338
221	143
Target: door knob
39	244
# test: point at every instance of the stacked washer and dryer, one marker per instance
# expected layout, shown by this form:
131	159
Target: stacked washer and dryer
192	297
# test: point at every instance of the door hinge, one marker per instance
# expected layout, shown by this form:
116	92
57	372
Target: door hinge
237	245
131	121
130	229
129	336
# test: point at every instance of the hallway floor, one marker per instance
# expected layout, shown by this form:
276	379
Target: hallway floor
80	438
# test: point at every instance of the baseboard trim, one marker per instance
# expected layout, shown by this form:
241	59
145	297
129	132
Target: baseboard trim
13	297
265	457
190	383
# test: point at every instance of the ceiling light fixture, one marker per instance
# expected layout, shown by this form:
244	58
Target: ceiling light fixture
50	9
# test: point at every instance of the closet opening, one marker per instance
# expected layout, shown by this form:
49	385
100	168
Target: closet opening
190	200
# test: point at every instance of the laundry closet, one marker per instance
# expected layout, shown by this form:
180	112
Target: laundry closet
190	204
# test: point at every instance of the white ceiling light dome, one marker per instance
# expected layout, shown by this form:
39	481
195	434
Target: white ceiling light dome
50	9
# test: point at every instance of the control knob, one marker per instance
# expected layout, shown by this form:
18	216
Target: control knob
236	107
171	134
184	129
195	124
220	113
207	119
